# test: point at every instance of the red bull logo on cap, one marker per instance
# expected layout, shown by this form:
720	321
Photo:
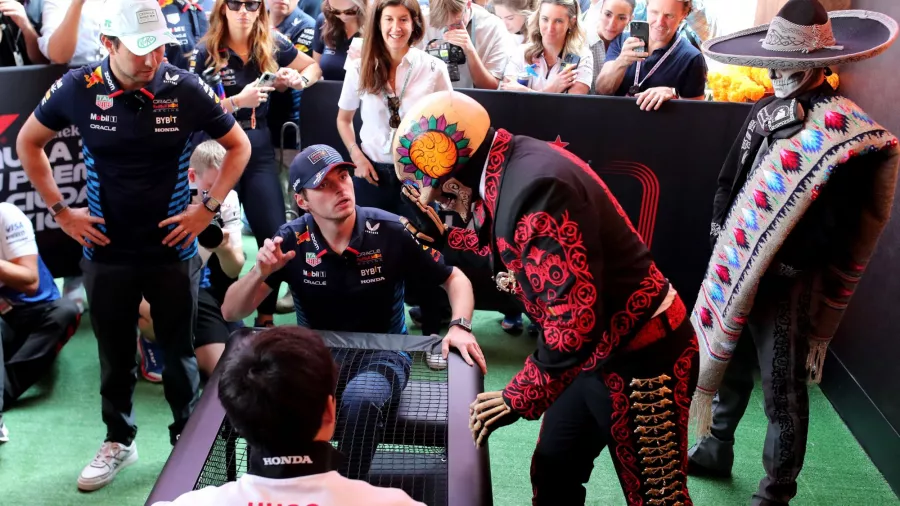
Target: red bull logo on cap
95	77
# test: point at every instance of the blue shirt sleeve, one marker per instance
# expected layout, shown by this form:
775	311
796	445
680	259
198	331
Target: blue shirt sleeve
305	36
285	52
56	109
693	80
615	47
319	44
206	107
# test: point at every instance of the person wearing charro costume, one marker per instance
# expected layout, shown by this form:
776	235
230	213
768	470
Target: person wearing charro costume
616	357
803	198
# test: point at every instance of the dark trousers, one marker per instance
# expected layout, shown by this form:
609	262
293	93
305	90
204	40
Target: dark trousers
32	336
372	384
259	191
114	293
772	338
638	404
386	196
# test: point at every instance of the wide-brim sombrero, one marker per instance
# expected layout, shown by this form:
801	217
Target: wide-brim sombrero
862	35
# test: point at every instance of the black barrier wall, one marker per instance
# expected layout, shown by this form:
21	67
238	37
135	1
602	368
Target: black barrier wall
21	89
860	375
662	166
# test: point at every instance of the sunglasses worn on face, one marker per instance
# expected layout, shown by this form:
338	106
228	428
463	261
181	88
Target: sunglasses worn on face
235	5
393	104
353	11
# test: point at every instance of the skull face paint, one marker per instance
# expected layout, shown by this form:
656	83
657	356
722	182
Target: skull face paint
792	82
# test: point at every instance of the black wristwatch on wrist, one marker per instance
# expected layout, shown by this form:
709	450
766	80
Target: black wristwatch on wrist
210	203
462	323
57	208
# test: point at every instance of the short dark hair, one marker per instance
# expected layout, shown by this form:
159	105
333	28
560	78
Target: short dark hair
275	385
113	40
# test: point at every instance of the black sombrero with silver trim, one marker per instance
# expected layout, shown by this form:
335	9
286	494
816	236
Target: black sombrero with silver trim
804	35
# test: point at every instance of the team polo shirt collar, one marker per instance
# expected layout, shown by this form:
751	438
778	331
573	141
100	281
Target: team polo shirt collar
293	461
291	20
356	238
104	74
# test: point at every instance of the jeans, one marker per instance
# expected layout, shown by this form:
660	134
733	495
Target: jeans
374	382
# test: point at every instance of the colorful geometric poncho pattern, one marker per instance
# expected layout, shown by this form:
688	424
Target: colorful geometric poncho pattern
778	191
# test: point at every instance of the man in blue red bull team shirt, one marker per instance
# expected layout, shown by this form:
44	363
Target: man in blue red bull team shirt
136	115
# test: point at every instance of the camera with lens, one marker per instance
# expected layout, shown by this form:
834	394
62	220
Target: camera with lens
212	235
453	56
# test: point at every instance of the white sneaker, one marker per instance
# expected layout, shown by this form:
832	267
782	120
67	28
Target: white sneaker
111	458
4	432
435	361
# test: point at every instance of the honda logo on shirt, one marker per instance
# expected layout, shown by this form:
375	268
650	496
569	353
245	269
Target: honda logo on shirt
104	102
280	461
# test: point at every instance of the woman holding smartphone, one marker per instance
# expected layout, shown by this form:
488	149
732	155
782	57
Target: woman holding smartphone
339	23
389	78
556	53
241	47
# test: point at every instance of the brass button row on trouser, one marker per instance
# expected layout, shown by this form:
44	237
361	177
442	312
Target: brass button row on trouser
658	450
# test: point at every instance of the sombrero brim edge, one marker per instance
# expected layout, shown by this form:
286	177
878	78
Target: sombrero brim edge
798	60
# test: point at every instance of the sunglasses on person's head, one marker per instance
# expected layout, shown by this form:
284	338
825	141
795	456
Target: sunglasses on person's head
353	11
394	108
235	5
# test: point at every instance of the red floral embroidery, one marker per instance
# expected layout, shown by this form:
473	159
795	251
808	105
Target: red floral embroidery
563	293
496	157
466	240
622	323
682	371
532	391
622	434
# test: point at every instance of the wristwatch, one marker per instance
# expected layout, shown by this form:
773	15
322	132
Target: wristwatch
58	207
210	203
462	323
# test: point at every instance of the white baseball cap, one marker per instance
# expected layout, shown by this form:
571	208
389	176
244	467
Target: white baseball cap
139	24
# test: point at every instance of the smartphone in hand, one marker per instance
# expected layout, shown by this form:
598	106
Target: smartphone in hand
571	60
266	80
641	30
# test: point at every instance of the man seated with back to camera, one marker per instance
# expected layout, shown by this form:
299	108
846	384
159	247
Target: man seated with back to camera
277	388
477	43
347	267
223	258
671	68
36	322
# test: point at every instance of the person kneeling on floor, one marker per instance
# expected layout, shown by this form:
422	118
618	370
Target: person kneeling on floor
278	391
36	322
223	258
347	267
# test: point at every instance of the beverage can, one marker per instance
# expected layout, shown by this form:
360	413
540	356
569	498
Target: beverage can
524	79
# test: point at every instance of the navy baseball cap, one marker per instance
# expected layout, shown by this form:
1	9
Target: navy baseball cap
311	165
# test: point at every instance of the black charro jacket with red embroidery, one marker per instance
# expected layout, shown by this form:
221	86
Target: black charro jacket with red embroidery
582	271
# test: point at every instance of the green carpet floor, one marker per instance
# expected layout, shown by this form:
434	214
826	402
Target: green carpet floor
56	429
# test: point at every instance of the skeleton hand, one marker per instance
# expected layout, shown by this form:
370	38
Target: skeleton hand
428	226
488	413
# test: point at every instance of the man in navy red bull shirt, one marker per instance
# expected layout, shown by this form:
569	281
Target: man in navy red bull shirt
136	115
347	267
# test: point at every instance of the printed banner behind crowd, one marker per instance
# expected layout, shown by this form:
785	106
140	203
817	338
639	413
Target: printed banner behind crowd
22	89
